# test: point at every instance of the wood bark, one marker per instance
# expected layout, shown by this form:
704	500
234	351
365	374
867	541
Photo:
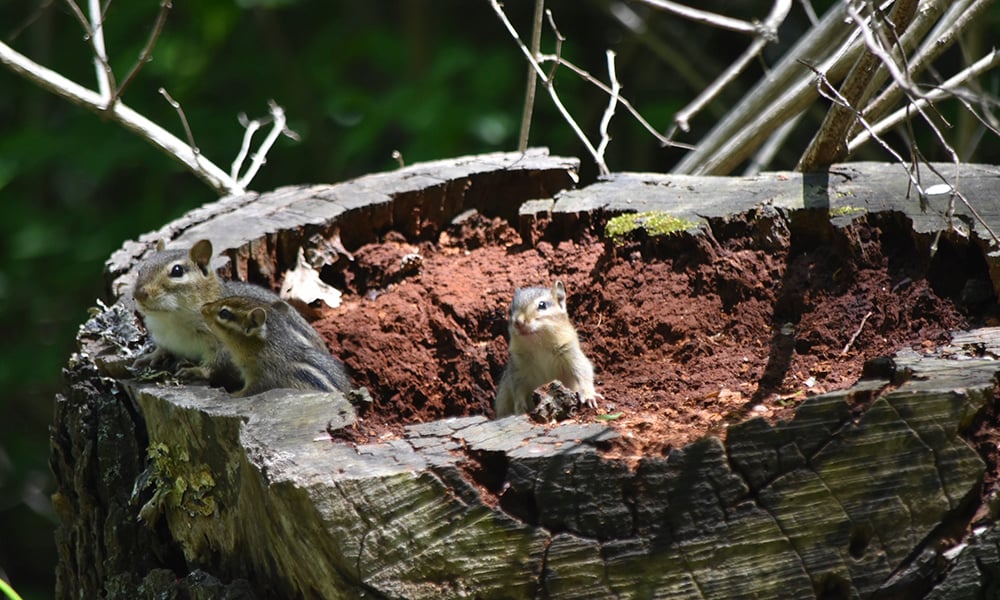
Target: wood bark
252	499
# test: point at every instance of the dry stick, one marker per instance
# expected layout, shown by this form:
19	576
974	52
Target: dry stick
147	52
609	112
183	117
940	38
766	32
679	61
547	83
702	16
810	12
940	92
259	157
786	91
835	97
251	128
762	158
583	74
529	94
94	31
59	85
829	145
854	337
101	64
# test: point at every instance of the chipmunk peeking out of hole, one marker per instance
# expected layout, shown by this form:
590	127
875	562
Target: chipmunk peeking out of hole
544	346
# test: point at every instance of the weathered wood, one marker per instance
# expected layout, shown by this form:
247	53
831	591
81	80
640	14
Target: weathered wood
251	496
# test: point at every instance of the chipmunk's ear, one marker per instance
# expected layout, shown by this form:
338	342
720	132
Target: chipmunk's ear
160	245
559	292
201	255
281	306
258	317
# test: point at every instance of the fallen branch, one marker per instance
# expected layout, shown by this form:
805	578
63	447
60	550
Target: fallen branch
854	337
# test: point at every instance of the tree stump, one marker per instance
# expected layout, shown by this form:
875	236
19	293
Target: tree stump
876	491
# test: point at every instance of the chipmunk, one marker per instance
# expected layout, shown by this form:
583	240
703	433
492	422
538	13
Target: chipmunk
268	349
543	346
170	289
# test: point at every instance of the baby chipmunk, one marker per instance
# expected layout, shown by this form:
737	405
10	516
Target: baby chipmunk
543	346
269	350
171	287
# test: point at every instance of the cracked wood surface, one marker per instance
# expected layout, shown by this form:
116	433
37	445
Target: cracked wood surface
257	500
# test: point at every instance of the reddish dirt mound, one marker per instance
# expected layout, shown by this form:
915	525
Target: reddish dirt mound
687	333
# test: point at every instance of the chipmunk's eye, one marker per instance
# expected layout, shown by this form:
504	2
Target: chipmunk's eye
226	315
177	271
543	305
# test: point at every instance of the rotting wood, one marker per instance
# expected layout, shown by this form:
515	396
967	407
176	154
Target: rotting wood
831	502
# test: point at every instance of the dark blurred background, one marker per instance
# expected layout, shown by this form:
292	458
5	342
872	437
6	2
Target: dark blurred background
358	80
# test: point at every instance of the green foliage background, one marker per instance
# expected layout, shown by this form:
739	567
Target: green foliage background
357	80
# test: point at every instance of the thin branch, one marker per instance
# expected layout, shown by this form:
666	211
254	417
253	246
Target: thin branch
833	94
830	142
94	32
785	92
704	17
147	52
529	94
942	91
609	112
776	17
854	337
602	168
101	64
941	37
59	85
251	127
183	117
810	12
763	157
583	74
277	128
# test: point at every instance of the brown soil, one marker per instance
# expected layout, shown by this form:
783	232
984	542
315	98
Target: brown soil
687	332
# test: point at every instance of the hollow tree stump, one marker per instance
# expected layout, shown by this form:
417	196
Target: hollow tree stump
251	498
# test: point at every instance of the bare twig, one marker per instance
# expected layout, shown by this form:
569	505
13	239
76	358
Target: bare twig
762	158
529	94
854	337
609	112
94	30
583	74
547	83
702	16
250	128
105	83
785	92
941	37
49	80
940	92
830	143
147	52
777	15
183	117
810	12
277	129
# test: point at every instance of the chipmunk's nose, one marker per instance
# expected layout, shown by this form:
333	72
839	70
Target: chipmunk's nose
520	326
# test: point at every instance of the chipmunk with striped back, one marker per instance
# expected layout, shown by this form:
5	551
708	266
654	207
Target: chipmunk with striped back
170	289
268	349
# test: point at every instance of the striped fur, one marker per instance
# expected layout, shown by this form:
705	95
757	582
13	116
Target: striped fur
272	347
